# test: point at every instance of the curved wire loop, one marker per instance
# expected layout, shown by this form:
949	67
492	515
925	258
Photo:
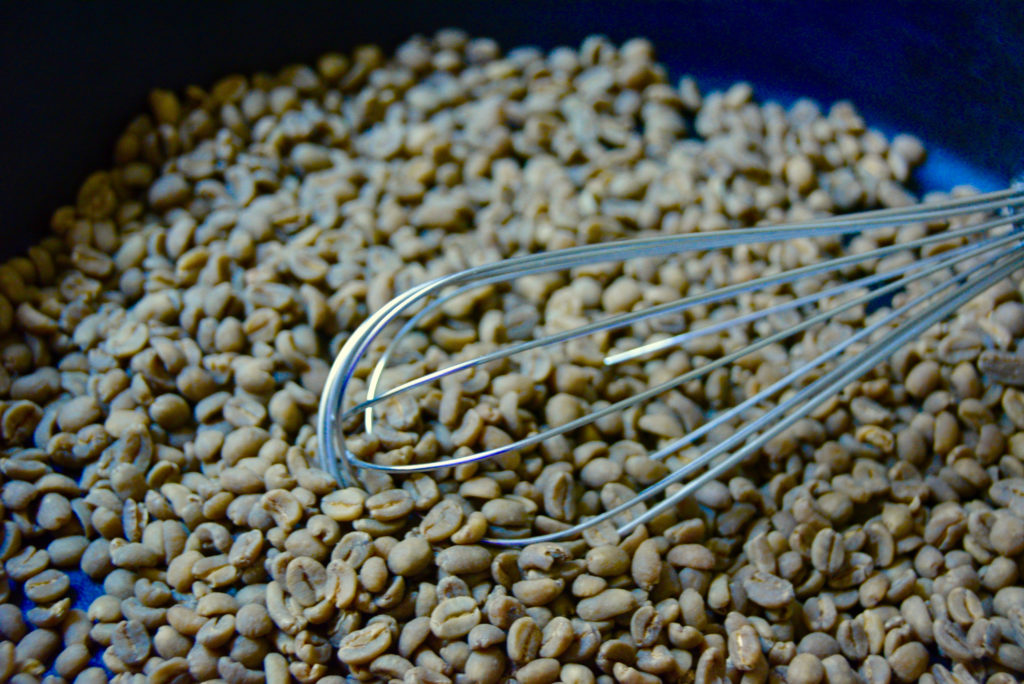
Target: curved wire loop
991	251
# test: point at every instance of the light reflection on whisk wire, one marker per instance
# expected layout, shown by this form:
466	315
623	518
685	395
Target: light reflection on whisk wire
333	451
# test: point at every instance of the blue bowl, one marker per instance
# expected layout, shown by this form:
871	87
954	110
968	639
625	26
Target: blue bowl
950	72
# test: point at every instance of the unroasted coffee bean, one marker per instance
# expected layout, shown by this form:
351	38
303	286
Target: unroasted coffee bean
539	671
505	512
39	645
691	556
951	640
485	666
645	626
27	564
539	591
131	642
464	559
711	665
805	668
363	645
454	617
1001	367
853	640
1007	535
485	636
47	586
608	604
767	590
524	640
607	560
828	552
67	552
646	565
409	557
557	636
909	661
875	668
745	648
819	643
838	669
922	379
389	505
344	504
72	660
442	521
12	622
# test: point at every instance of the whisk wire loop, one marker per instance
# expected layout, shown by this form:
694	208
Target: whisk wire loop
988	251
678	381
807	399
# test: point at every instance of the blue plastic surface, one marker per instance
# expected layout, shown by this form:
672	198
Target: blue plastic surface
951	72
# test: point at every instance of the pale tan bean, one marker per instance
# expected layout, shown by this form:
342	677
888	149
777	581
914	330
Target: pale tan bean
486	665
12	622
646	626
47	586
390	505
524	640
607	560
805	668
409	557
607	604
363	646
454	617
909	661
72	660
646	565
693	556
768	590
539	671
828	554
539	591
464	559
39	645
442	521
131	642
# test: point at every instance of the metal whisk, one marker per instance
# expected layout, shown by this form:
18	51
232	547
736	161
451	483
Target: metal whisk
973	257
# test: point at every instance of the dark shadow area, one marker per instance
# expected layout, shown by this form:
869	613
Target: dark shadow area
73	73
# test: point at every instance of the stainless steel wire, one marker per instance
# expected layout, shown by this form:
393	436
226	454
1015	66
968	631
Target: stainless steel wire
991	250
